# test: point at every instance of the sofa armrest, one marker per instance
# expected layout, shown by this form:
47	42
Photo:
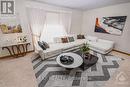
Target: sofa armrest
38	48
106	41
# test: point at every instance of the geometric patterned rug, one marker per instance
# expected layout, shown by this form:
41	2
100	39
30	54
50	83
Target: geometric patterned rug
50	74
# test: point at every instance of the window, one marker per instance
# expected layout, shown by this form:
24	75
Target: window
55	26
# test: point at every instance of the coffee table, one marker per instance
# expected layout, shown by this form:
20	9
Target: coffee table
88	62
72	60
75	59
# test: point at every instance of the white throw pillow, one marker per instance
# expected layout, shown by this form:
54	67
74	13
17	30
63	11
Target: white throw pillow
57	40
73	35
92	38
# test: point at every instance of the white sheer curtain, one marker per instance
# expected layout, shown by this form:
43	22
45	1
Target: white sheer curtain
37	22
46	25
66	21
56	25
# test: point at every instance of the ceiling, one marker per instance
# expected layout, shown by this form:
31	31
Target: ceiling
83	4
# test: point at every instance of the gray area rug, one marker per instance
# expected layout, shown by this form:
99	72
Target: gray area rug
50	74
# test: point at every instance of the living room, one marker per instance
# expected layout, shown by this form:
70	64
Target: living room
71	43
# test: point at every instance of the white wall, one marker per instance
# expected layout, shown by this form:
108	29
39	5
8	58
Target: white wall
89	18
21	12
76	23
87	25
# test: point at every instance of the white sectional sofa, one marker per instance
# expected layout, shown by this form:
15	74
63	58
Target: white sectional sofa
99	45
57	48
102	46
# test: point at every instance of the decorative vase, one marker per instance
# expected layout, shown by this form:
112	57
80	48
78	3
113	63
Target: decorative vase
66	60
86	55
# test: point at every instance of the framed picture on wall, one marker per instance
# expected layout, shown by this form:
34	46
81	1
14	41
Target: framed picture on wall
10	25
110	25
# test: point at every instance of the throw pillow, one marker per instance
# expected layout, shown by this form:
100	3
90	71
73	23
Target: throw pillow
71	39
80	36
83	37
41	45
64	40
57	40
45	44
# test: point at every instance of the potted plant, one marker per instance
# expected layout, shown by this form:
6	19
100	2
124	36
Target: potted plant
85	50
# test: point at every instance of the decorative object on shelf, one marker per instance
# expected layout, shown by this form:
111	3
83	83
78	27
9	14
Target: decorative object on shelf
110	25
14	39
85	50
66	60
22	39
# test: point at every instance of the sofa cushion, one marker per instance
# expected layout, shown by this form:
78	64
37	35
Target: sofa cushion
53	47
92	38
41	45
45	44
57	40
80	36
103	47
64	40
79	42
71	39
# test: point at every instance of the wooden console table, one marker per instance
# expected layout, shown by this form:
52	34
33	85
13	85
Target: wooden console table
17	50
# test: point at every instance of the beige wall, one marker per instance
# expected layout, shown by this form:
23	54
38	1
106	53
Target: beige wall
89	17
